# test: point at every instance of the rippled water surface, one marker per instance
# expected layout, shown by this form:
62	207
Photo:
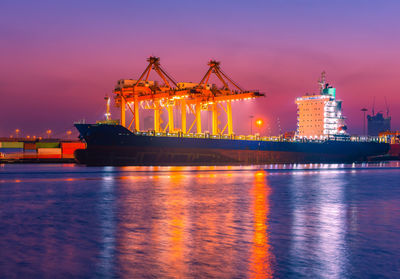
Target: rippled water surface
280	221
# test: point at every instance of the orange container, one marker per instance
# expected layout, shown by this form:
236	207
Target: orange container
49	151
68	156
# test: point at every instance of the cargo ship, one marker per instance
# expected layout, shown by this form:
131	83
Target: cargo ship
115	145
321	136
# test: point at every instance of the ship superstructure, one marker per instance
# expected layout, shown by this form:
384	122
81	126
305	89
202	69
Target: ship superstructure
319	116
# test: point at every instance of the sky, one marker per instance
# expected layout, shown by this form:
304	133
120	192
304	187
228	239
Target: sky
58	59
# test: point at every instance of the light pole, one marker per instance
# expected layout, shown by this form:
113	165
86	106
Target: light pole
48	132
251	124
364	110
259	122
17	132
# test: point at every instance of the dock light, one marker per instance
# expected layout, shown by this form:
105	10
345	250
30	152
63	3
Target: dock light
259	123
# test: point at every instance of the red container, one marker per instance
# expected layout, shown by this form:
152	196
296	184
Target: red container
394	149
73	145
30	156
49	156
70	147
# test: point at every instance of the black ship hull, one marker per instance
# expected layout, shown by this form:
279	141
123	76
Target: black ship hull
115	145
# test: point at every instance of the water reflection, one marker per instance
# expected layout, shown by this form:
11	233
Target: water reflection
106	212
189	224
329	221
173	224
261	252
319	227
331	230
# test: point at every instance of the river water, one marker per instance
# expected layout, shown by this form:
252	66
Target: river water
273	221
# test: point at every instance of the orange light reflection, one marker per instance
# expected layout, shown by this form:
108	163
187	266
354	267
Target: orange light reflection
260	266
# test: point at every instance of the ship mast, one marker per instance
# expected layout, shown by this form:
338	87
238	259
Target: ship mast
107	114
322	81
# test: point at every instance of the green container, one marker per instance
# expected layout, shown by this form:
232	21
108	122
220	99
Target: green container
12	144
47	145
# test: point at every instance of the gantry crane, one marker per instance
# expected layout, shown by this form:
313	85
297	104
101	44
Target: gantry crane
192	97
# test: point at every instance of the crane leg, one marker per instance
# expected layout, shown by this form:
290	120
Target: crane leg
198	118
214	119
183	116
229	117
123	121
171	119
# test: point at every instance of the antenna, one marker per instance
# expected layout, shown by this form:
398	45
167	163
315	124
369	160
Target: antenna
322	81
373	107
387	107
279	126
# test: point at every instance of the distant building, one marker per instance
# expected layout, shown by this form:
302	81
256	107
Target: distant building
378	123
320	115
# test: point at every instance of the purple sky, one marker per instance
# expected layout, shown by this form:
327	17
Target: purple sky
59	58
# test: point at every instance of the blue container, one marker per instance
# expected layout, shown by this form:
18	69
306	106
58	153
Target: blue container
11	150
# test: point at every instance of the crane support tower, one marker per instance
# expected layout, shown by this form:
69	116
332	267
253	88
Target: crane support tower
188	97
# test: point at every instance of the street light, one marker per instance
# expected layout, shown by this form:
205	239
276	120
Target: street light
364	110
251	124
259	123
48	132
17	132
69	133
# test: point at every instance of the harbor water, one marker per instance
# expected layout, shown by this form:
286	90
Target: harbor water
270	221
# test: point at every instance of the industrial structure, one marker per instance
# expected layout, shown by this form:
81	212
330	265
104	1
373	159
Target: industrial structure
319	116
378	123
190	98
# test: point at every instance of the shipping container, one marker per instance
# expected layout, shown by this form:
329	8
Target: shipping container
70	150
12	144
49	151
29	146
49	156
11	150
394	149
68	156
12	153
76	144
70	147
30	156
47	145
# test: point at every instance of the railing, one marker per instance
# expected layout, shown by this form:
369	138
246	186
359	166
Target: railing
259	138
